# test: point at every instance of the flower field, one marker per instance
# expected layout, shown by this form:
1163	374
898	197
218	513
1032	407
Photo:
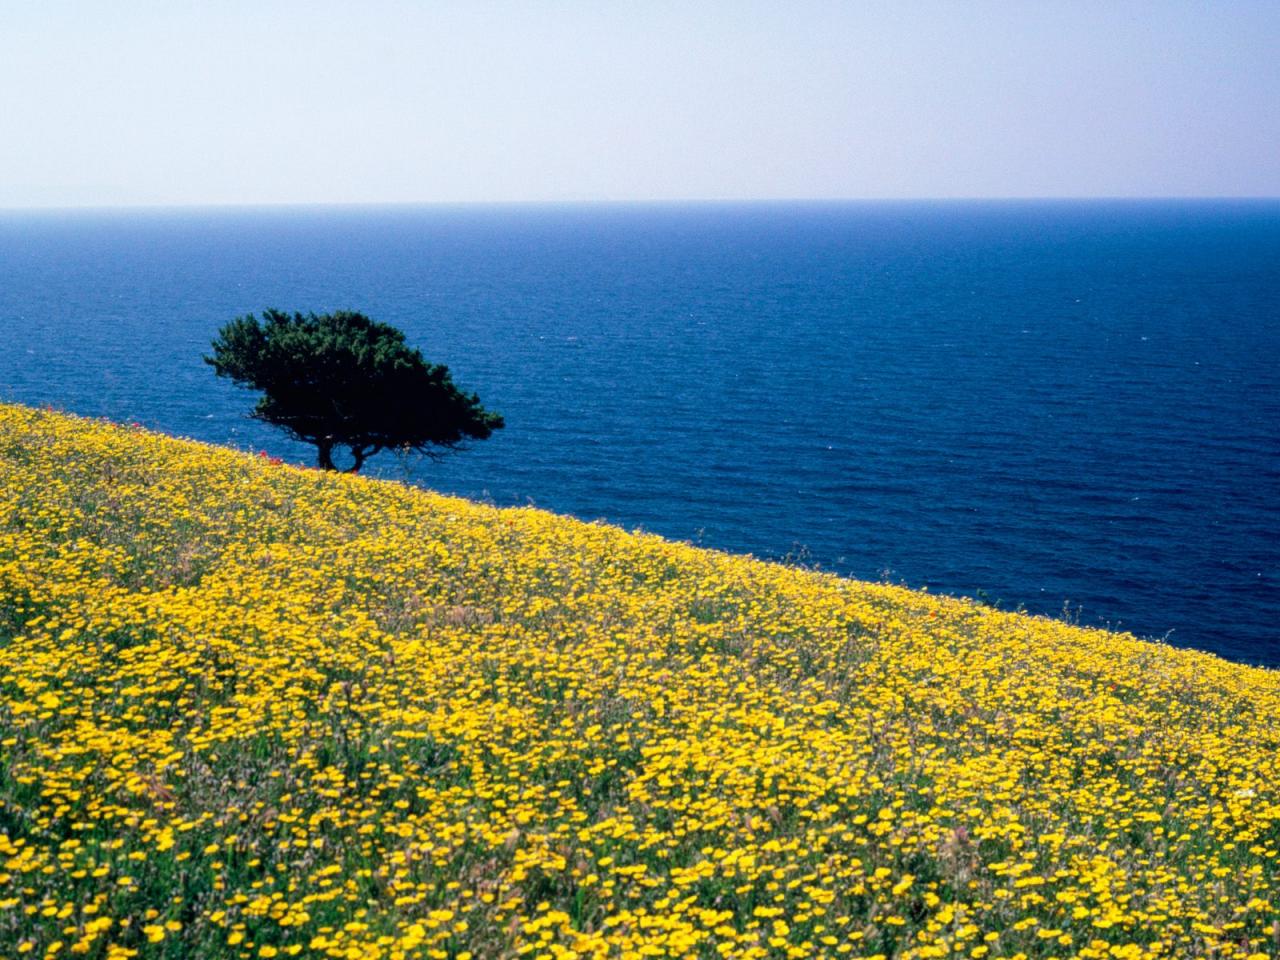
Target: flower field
250	710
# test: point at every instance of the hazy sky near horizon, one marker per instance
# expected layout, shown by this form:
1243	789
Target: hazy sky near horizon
275	101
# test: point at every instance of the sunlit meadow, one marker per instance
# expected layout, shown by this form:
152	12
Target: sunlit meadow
250	710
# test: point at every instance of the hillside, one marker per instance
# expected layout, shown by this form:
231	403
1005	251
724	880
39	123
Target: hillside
250	710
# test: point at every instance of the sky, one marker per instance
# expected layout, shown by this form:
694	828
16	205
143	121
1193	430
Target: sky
272	101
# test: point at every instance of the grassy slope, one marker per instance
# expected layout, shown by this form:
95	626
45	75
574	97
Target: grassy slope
249	710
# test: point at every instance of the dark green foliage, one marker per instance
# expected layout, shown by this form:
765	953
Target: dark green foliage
343	380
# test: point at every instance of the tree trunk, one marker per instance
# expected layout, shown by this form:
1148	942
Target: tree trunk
359	453
324	456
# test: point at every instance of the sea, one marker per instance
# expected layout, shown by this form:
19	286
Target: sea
1069	407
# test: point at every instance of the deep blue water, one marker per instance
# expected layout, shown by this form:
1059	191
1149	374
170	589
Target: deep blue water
1058	402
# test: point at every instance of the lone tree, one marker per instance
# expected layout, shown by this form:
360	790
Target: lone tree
343	380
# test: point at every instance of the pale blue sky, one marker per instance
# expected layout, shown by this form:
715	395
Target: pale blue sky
173	102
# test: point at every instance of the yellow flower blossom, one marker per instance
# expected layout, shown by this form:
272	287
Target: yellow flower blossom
253	710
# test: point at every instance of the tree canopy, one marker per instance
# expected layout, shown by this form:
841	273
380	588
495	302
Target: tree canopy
342	380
